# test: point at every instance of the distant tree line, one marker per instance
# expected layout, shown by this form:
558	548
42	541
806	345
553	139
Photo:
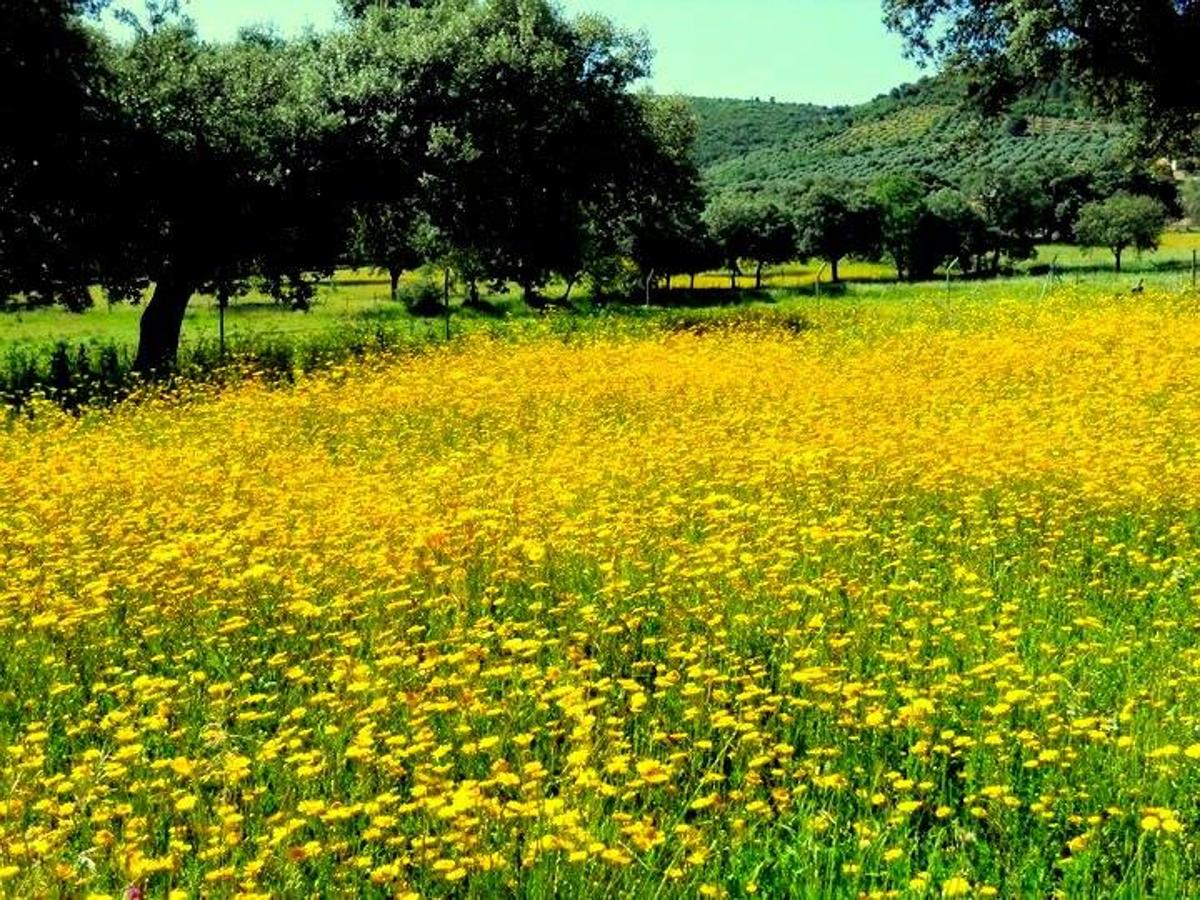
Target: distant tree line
921	224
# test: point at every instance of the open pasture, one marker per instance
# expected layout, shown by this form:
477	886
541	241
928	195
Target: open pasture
359	298
904	603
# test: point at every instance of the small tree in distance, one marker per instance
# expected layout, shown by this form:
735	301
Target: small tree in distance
1120	222
833	222
753	228
904	222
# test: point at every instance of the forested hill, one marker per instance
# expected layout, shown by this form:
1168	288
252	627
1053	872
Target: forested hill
919	128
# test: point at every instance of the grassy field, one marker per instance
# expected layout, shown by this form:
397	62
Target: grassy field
903	603
1174	255
356	299
353	297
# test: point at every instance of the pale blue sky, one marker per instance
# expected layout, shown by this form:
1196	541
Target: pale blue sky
822	51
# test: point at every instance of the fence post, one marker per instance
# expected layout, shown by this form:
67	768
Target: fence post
950	271
1049	278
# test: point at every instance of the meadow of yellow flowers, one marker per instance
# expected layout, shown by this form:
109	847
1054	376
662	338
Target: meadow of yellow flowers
907	604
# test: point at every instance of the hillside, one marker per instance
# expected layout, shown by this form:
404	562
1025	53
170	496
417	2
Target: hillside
924	127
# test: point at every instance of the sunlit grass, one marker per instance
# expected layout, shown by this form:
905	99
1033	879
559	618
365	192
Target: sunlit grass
357	297
1175	251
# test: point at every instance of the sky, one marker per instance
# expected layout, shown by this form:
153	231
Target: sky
817	51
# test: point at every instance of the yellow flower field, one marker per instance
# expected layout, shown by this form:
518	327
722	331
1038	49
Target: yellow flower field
905	604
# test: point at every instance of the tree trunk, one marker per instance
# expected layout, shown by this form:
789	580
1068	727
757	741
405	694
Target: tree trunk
1117	251
162	322
833	270
570	287
733	274
446	299
758	277
668	284
394	274
649	286
473	294
692	282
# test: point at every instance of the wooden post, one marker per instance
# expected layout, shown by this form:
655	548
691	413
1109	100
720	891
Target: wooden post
1049	278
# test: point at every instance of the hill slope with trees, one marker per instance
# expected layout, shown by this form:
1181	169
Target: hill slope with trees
925	129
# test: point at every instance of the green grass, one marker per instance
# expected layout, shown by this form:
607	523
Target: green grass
352	297
356	301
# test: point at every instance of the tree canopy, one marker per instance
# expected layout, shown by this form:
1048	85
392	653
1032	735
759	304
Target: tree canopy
223	168
752	228
54	150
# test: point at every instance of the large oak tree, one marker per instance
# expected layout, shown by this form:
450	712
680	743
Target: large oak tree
225	169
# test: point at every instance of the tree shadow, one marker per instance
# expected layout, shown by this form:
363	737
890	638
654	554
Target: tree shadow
487	308
1108	267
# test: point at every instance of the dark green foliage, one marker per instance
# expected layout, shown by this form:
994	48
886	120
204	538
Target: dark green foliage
1014	211
224	175
86	375
71	376
495	137
910	233
663	216
424	299
956	229
1027	175
393	237
514	135
358	9
57	129
971	230
732	128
